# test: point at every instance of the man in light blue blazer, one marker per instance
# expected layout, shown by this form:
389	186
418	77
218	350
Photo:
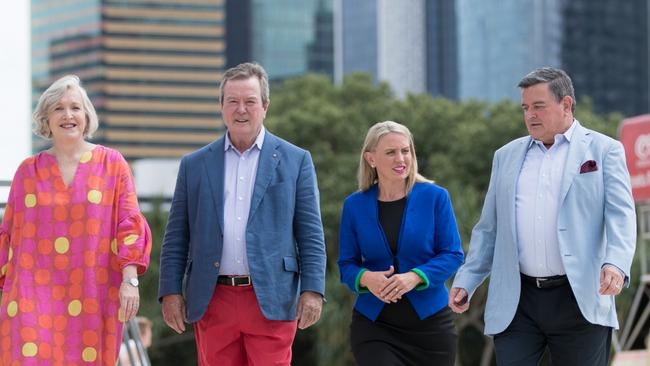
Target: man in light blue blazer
556	235
243	256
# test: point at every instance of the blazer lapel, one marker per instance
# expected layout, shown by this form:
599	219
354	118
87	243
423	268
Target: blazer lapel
214	168
577	149
268	161
511	172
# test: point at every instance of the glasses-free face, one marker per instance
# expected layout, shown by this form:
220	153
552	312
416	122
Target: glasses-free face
67	117
545	117
391	157
243	111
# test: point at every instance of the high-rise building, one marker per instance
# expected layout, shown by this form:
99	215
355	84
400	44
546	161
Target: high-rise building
151	67
410	44
442	48
288	37
320	52
605	50
498	45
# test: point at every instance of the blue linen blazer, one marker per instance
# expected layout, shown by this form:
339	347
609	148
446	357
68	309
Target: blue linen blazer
284	234
596	225
428	242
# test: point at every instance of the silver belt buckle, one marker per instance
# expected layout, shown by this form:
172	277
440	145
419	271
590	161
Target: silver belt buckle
539	281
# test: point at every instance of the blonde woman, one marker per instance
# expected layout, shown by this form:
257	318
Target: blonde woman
398	245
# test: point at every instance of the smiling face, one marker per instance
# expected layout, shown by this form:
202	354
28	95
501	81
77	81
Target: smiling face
67	118
391	157
243	111
545	117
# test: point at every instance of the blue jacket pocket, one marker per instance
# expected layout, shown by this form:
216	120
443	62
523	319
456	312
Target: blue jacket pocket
290	264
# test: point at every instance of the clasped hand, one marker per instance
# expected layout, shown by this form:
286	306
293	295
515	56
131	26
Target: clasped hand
387	286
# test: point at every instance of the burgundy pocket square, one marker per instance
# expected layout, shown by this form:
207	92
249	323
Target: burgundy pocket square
588	166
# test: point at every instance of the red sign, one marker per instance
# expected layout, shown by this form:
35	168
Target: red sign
635	136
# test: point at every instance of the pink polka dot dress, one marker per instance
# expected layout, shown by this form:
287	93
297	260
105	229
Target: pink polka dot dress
62	250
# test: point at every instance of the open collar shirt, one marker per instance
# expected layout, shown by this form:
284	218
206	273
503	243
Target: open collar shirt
240	169
537	203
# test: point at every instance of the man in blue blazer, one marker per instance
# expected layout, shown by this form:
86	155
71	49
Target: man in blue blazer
243	256
557	234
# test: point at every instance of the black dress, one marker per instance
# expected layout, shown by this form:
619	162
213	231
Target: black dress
399	336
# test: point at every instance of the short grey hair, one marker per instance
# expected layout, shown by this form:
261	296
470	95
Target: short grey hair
559	83
52	95
245	71
367	175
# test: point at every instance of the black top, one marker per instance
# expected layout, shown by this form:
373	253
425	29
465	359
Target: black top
390	218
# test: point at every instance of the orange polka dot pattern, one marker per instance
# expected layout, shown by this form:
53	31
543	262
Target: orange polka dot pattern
62	250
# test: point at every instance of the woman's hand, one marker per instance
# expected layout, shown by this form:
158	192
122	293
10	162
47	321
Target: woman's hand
376	281
129	302
129	294
399	284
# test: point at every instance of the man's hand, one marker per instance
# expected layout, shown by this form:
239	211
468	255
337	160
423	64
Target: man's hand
173	309
375	282
458	300
310	305
611	280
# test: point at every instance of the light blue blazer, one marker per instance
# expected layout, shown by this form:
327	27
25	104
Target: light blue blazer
284	235
596	225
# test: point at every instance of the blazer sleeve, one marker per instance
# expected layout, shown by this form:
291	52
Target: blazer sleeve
447	245
349	251
478	263
620	217
173	255
308	229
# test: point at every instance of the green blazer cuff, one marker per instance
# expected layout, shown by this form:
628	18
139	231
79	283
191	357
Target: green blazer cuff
357	284
425	281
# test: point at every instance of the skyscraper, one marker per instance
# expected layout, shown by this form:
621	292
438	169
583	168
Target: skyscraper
498	45
605	50
410	44
152	68
288	37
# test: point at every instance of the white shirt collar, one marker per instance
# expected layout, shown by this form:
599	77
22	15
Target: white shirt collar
259	141
568	134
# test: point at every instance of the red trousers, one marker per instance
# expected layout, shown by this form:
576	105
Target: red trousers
233	332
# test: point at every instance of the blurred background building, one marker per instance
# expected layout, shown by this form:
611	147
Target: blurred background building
605	50
409	44
288	37
470	49
152	68
498	45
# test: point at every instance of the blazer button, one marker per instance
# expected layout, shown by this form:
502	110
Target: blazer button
216	264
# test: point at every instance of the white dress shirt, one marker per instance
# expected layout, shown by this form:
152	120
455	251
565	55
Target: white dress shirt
537	202
240	170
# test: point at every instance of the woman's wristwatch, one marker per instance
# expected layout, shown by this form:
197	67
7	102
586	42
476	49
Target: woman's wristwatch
133	281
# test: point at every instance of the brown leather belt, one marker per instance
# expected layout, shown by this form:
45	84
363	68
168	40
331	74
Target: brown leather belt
234	280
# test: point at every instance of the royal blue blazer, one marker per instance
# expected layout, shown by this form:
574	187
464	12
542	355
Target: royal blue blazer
428	244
